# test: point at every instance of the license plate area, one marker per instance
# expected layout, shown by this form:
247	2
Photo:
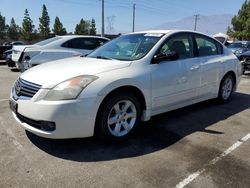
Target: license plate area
13	105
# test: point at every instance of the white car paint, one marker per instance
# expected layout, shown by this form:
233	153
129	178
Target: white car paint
165	86
48	51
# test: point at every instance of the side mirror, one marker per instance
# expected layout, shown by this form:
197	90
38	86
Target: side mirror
168	56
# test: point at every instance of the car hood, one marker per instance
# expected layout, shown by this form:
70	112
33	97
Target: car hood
234	49
50	74
246	53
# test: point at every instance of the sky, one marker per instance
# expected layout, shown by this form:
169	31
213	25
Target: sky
118	13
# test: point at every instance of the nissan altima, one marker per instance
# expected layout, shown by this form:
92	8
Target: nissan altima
127	80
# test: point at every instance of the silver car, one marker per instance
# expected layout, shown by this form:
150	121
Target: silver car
125	81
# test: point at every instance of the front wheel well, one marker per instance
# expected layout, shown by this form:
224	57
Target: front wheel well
131	89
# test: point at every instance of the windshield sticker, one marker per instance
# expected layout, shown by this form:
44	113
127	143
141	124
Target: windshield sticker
153	35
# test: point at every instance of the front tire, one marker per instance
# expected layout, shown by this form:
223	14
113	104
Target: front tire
226	89
118	117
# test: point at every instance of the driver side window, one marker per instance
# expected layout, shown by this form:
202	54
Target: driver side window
181	44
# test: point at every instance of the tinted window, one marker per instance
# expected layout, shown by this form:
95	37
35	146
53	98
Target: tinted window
221	39
82	43
207	46
181	44
101	41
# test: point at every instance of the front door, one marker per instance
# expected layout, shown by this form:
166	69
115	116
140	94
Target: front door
176	82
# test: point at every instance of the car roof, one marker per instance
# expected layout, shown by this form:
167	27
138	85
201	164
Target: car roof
169	31
82	36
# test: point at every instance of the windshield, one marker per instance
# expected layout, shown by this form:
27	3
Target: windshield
47	41
236	45
128	47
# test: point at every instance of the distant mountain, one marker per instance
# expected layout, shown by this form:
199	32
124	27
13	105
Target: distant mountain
206	24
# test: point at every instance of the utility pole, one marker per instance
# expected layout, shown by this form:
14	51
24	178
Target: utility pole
196	18
133	17
102	33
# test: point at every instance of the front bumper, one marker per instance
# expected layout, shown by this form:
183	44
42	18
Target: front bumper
72	118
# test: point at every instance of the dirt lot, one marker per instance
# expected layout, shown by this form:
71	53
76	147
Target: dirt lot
204	145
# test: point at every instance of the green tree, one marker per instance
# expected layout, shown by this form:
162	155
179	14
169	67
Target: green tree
58	27
27	27
44	23
92	30
82	28
241	23
13	30
2	27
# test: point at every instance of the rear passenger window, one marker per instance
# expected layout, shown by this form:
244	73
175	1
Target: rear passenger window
82	43
207	46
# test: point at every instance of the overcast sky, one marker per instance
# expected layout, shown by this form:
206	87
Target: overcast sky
149	13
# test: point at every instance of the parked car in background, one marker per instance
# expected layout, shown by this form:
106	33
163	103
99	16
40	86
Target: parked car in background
129	79
6	47
55	48
239	47
7	58
245	59
222	37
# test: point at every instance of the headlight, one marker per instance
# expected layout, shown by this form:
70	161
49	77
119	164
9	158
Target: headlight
239	51
70	89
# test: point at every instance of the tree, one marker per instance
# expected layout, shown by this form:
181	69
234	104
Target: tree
58	27
82	28
44	23
241	23
92	30
2	26
13	30
27	27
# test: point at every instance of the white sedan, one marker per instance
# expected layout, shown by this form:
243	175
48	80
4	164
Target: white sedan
59	47
127	80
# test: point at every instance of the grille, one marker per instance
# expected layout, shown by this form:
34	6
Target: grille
25	88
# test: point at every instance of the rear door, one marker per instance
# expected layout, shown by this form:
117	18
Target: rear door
210	56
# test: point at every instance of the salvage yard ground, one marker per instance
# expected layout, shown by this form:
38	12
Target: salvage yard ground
204	145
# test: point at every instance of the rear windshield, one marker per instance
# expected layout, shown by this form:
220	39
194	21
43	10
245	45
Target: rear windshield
47	41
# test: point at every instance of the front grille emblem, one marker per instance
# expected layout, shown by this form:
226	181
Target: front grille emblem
18	88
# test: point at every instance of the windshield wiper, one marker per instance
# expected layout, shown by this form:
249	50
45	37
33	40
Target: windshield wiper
103	57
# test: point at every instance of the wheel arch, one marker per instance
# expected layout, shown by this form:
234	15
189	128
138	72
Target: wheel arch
125	88
233	74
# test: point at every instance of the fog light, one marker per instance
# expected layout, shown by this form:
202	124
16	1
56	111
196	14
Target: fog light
48	126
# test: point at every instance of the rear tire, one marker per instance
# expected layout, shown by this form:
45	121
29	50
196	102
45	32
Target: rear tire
226	89
118	117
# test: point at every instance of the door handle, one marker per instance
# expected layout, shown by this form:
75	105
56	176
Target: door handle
195	67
